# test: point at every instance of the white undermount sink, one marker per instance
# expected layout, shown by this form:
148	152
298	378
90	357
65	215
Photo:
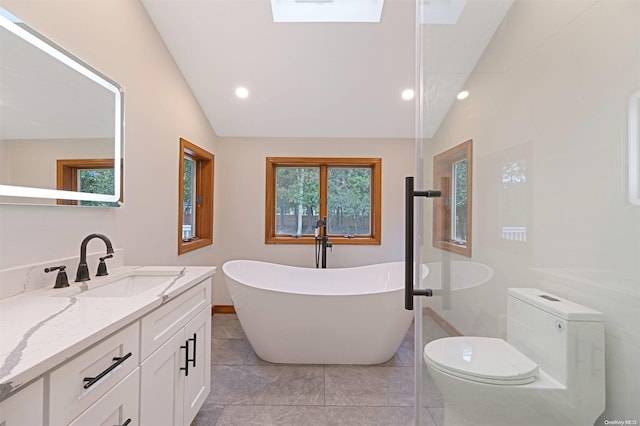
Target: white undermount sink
132	283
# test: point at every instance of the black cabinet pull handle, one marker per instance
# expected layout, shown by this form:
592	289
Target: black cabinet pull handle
126	423
186	358
92	380
193	339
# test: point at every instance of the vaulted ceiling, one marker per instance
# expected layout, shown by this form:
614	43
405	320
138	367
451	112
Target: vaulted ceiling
310	79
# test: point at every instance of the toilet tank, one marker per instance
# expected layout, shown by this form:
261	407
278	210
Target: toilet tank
565	339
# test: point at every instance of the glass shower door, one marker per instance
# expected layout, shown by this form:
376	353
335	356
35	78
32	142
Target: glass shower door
546	95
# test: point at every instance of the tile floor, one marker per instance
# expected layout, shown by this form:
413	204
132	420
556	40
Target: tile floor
246	390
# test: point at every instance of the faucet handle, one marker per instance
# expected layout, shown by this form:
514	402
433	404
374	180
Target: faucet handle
62	280
102	266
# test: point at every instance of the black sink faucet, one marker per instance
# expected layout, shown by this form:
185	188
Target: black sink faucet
83	270
62	280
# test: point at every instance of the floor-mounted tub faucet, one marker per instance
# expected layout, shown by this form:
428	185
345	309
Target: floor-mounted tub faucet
83	271
322	241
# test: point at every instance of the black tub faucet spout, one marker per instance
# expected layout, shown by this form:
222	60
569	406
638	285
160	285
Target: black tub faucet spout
83	271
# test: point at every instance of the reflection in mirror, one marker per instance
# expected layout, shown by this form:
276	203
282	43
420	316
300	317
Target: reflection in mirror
87	175
452	174
513	197
510	195
54	107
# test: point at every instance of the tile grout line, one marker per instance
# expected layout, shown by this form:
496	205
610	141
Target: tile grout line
324	385
224	412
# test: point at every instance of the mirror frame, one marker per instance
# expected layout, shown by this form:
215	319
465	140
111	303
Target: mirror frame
39	41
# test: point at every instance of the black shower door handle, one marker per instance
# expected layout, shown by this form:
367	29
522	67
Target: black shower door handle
409	195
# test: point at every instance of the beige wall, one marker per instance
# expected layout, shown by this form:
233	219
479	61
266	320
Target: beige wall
240	201
118	38
159	110
551	92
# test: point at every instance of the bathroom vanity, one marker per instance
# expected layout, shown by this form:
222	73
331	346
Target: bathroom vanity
127	349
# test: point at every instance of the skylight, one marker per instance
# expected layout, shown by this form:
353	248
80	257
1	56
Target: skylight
441	11
326	10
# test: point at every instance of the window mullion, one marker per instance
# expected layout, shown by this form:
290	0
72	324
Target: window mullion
323	191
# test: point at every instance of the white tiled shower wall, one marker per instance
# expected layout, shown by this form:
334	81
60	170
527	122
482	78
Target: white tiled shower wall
550	94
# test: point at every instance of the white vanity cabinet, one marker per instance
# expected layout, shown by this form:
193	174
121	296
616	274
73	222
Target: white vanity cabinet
176	365
26	408
153	369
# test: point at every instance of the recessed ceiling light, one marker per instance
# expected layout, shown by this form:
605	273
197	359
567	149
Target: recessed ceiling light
462	95
407	94
242	92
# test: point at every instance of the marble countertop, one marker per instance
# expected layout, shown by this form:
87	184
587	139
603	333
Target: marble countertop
43	328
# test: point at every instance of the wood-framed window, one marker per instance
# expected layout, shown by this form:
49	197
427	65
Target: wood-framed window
93	175
195	197
452	174
302	191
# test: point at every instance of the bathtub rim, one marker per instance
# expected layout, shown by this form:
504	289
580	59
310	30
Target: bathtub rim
316	294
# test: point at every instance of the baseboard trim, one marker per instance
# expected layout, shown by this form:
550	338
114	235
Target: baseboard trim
222	309
451	330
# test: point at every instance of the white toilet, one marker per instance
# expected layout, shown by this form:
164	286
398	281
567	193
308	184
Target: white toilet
549	371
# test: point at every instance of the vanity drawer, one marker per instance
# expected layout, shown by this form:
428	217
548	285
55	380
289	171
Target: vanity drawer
117	407
159	325
108	362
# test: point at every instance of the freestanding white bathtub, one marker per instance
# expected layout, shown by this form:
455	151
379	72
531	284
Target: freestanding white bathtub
320	316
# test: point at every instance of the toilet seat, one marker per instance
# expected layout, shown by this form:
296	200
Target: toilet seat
481	359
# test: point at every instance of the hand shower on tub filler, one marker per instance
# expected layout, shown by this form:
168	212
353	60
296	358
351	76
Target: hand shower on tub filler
322	242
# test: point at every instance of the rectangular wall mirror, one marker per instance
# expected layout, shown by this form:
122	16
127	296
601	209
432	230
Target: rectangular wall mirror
55	109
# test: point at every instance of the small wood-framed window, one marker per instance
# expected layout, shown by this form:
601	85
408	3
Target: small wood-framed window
94	175
195	197
302	191
452	174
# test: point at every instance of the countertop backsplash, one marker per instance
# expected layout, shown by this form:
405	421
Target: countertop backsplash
25	278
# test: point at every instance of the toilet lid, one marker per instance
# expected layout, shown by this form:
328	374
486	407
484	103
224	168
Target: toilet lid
481	359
